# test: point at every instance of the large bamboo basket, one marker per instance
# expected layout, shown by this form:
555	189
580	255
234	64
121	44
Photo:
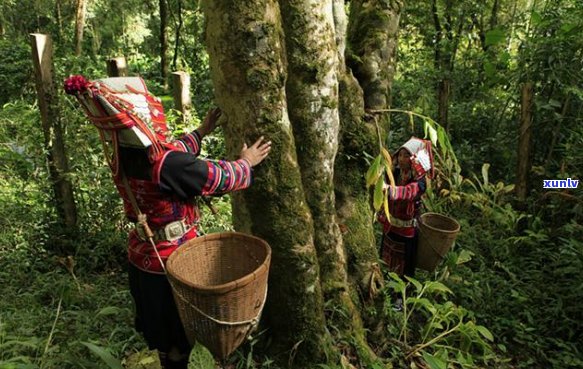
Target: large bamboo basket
437	233
219	283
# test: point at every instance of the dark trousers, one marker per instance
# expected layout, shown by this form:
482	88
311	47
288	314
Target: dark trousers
156	313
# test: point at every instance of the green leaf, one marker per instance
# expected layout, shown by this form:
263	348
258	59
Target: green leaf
508	188
464	257
422	302
570	28
432	135
378	194
489	69
495	36
377	365
535	18
201	357
373	172
485	332
104	355
485	169
411	122
109	310
434	362
388	164
442	137
554	103
397	283
147	360
416	283
504	57
437	286
436	325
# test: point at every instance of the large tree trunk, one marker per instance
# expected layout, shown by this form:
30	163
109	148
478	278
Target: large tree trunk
312	96
372	42
163	42
80	25
245	45
308	200
354	212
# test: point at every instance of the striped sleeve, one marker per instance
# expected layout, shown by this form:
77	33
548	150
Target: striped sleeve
190	142
226	176
409	192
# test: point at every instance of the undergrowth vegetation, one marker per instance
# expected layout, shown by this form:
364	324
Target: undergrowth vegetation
506	295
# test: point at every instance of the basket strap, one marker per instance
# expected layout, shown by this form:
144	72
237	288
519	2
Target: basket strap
251	322
142	219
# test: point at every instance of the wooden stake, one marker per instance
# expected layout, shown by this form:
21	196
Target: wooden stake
181	92
54	143
117	67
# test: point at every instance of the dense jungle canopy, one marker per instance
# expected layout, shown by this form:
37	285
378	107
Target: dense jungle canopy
496	85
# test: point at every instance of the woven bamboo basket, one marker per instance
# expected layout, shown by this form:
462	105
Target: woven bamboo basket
219	283
437	233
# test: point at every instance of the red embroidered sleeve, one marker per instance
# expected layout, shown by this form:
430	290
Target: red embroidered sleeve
225	176
190	142
404	193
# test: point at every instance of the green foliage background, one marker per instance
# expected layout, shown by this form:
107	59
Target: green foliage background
517	274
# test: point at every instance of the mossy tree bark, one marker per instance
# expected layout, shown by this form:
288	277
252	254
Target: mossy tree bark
355	214
313	100
372	47
284	77
244	41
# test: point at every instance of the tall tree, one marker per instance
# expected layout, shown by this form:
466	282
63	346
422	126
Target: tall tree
448	31
177	34
163	41
278	71
59	19
524	143
80	15
313	104
247	64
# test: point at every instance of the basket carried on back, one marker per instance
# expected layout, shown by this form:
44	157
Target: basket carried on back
437	233
219	283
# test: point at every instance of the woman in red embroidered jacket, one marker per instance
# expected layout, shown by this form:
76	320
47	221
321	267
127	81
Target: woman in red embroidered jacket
399	244
164	176
165	191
